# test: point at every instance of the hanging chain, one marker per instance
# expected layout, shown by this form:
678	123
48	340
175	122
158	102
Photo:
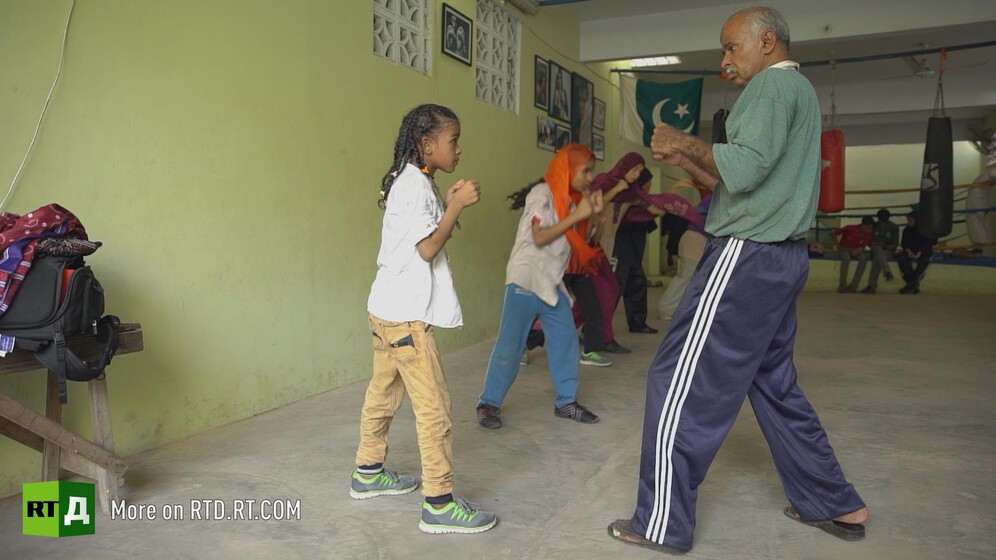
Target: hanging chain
833	93
939	96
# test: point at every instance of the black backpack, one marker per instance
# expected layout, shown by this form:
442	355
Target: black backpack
60	298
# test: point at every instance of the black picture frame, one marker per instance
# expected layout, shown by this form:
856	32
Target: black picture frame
541	81
563	136
560	92
598	146
457	35
582	109
546	133
598	115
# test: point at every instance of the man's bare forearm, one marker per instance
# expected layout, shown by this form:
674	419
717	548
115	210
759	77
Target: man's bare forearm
700	175
699	153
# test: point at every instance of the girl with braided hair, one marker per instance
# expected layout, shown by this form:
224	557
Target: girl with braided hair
534	286
412	293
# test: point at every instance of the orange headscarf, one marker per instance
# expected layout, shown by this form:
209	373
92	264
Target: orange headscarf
563	167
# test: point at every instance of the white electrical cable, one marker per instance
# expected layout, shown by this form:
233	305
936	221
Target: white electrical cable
58	74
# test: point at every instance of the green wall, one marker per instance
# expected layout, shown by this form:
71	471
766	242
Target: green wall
229	153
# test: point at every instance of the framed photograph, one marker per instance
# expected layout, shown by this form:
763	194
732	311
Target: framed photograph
582	107
563	136
598	146
598	117
541	95
457	34
546	133
560	92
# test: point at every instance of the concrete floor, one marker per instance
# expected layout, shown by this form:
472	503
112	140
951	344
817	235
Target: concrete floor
904	385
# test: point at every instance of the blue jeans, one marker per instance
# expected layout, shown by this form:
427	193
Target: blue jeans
518	311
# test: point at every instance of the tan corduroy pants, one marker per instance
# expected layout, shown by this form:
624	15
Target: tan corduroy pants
406	358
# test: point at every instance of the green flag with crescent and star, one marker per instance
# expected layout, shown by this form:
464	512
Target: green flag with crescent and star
648	104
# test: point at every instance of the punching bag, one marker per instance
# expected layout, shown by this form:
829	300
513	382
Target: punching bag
832	171
719	126
937	180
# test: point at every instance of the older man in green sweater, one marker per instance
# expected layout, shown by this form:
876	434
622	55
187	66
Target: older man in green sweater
734	332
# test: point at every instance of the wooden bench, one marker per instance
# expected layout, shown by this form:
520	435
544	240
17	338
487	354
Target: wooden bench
63	448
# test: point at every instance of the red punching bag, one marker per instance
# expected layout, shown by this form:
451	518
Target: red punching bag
832	171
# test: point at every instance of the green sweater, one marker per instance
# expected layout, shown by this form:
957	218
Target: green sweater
770	169
886	235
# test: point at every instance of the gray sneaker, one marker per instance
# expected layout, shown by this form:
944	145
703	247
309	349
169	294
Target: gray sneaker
385	483
459	516
594	359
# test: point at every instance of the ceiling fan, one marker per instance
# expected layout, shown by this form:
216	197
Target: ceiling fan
919	66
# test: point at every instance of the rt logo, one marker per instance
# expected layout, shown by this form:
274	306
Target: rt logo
58	509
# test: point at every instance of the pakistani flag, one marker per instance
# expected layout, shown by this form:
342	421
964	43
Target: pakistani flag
648	104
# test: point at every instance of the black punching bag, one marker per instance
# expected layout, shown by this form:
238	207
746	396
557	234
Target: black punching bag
719	126
937	180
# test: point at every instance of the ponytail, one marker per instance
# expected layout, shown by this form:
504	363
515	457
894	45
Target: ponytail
518	198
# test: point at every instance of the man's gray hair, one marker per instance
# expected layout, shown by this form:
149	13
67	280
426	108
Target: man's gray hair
764	18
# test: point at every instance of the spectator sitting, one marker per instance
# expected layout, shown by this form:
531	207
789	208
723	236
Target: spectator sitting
885	238
915	255
851	242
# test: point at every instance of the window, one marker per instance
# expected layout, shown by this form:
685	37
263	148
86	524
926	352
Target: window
497	56
402	32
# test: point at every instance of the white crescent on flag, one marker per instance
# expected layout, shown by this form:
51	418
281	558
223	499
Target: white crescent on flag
643	104
656	113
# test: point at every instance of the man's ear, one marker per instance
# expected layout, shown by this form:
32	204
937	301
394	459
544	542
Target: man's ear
768	41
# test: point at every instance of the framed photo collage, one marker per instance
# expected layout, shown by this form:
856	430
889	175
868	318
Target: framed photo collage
572	112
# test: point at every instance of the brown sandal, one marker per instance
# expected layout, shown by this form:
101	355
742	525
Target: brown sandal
622	530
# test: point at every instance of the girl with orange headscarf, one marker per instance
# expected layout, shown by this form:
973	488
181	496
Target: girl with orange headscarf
544	244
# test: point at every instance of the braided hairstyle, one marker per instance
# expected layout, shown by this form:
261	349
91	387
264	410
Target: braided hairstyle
518	198
424	120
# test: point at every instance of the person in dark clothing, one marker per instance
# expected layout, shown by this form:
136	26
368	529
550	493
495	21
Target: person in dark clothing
672	227
631	242
914	255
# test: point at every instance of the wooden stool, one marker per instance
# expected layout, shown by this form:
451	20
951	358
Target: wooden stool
63	448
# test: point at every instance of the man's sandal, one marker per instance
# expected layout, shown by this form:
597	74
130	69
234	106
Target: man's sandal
839	529
622	530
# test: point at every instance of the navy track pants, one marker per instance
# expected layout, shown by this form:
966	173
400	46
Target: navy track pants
733	336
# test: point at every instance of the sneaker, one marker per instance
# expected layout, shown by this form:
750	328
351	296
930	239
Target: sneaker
459	516
906	289
616	348
487	416
524	360
576	412
889	277
594	359
384	483
868	290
